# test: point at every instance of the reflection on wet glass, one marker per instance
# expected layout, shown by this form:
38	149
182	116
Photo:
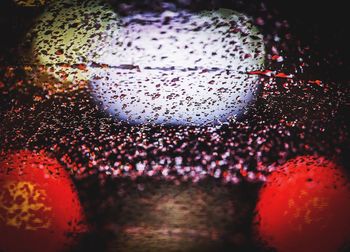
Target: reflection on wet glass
169	68
169	126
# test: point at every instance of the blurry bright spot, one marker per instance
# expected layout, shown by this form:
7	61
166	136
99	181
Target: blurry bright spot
171	68
180	68
305	206
70	33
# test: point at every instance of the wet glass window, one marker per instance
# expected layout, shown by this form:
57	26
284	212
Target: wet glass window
177	125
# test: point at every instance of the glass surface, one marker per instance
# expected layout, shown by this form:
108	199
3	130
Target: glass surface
174	126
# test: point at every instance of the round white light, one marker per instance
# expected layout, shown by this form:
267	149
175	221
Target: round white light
180	68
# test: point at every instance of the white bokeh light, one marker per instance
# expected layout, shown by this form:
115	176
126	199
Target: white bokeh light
180	68
164	68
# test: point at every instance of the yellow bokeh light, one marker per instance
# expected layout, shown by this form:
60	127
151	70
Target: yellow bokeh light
22	205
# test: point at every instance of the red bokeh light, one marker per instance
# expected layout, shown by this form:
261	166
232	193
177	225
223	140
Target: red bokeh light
305	206
39	208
